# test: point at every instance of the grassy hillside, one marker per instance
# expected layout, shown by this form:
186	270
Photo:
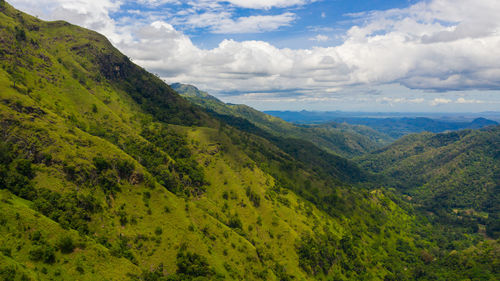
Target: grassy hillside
454	175
340	139
107	174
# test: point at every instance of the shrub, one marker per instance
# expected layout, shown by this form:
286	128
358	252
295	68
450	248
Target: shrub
253	197
101	164
66	244
109	181
23	167
235	222
193	264
316	254
44	253
6	251
8	272
20	34
124	168
36	236
158	230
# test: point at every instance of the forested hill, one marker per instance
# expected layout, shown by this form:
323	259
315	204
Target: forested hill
340	139
454	175
398	127
395	126
106	173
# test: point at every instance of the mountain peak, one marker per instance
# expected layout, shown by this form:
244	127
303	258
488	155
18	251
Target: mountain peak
191	91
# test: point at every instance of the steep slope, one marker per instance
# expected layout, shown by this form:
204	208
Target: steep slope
341	139
84	140
107	174
452	174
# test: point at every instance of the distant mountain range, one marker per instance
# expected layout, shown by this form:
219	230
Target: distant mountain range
394	127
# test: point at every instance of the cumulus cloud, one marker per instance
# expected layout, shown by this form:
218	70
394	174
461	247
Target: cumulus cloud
439	101
93	14
465	101
392	100
437	45
425	46
319	38
155	3
267	4
254	24
221	22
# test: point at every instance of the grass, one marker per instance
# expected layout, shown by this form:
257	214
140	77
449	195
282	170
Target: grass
248	214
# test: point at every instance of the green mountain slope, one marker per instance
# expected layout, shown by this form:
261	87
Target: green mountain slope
107	174
340	139
455	175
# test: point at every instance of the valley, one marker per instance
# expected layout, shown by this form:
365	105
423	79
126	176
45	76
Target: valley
108	173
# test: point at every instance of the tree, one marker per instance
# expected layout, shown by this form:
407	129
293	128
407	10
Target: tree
192	264
66	245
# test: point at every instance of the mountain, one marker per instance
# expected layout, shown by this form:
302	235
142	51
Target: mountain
340	139
454	175
106	173
395	127
398	127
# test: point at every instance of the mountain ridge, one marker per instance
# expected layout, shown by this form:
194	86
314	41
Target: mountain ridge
446	173
343	140
395	127
107	173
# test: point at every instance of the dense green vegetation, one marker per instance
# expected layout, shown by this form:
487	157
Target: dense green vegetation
341	139
455	175
107	174
395	127
398	127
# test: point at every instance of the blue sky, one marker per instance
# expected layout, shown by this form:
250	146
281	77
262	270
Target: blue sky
407	55
331	18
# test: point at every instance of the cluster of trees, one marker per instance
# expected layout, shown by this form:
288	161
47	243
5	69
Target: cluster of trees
110	172
190	266
16	173
70	210
453	176
45	252
189	178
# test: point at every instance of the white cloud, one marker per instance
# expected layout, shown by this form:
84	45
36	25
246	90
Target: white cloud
93	14
267	4
438	45
399	100
251	24
405	46
466	101
319	38
155	3
439	101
